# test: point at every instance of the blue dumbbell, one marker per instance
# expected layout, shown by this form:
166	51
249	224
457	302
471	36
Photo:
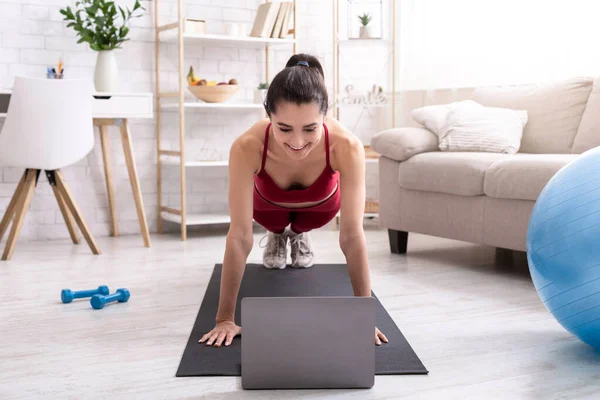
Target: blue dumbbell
97	301
67	295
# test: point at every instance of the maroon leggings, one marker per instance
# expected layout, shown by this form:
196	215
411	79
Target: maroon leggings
276	218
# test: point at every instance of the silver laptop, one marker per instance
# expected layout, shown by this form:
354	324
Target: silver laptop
308	342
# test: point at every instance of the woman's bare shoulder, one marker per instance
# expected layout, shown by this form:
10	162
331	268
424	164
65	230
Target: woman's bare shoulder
338	132
344	145
249	145
253	136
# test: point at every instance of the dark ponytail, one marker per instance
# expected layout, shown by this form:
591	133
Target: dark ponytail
301	81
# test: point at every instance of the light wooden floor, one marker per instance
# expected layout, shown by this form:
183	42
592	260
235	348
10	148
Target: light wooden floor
476	323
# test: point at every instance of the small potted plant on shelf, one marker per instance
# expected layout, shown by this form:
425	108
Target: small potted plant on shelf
261	92
97	23
364	29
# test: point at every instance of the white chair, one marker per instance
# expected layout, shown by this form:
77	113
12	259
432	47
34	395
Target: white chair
48	126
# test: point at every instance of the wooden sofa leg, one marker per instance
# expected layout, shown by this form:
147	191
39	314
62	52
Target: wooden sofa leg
398	241
504	256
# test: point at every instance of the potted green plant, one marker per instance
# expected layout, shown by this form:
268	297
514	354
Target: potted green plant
364	29
103	25
260	92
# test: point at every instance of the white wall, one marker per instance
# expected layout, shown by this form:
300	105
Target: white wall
33	36
465	43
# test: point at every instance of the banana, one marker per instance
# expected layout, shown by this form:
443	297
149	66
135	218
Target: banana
192	79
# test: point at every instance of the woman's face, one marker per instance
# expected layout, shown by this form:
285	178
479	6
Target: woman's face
297	128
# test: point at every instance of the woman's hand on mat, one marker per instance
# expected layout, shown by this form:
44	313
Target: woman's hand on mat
223	331
379	337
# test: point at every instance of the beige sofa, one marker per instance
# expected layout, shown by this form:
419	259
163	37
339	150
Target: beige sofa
484	198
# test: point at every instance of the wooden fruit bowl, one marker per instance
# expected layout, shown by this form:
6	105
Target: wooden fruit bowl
214	94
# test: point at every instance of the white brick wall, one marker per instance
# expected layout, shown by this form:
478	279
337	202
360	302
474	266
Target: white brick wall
33	36
20	41
36	12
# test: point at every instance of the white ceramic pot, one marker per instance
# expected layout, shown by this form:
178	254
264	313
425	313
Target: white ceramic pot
106	74
243	29
364	32
259	95
233	29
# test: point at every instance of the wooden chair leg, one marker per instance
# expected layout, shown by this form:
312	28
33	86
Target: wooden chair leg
12	206
63	208
66	195
21	210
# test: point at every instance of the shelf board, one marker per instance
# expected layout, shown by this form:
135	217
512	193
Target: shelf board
198	219
216	218
365	215
3	115
363	40
172	160
198	104
225	40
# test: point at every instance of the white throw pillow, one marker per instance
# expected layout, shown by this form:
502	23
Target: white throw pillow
469	126
433	117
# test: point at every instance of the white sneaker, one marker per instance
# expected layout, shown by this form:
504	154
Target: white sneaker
301	251
275	253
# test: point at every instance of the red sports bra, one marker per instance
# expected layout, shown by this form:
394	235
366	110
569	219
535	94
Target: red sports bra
319	190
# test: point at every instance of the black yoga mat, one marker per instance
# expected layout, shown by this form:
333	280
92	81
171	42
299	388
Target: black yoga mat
393	358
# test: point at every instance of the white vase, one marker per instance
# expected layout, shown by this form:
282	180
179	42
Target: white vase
106	74
364	32
259	95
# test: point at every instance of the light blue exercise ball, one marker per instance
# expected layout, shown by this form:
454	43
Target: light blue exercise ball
563	247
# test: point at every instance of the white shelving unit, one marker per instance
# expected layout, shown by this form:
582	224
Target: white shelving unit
198	219
226	41
175	33
213	105
338	42
171	160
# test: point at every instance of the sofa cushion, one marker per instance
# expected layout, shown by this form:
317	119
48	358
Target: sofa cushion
460	173
554	111
523	176
402	143
588	134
